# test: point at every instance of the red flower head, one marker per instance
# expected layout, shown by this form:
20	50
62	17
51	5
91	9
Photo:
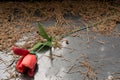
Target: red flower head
27	62
20	51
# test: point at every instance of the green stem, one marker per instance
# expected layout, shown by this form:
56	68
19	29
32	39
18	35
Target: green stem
91	25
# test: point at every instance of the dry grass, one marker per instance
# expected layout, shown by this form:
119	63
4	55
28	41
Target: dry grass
84	67
16	18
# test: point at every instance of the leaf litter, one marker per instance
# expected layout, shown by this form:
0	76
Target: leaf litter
16	18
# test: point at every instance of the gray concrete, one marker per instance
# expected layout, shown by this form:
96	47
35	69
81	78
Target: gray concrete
100	51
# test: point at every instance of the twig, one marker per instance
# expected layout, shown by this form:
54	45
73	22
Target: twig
11	63
116	77
71	68
101	42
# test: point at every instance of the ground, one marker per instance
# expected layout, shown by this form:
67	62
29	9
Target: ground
18	21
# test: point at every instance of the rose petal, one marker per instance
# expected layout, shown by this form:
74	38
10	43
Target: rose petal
20	51
20	68
29	61
31	72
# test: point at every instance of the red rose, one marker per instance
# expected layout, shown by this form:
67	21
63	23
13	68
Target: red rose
27	62
20	51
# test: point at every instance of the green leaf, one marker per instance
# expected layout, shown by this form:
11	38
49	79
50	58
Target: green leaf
36	46
50	38
41	45
42	32
48	43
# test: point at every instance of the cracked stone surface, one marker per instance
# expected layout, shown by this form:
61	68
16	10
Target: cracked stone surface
100	51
